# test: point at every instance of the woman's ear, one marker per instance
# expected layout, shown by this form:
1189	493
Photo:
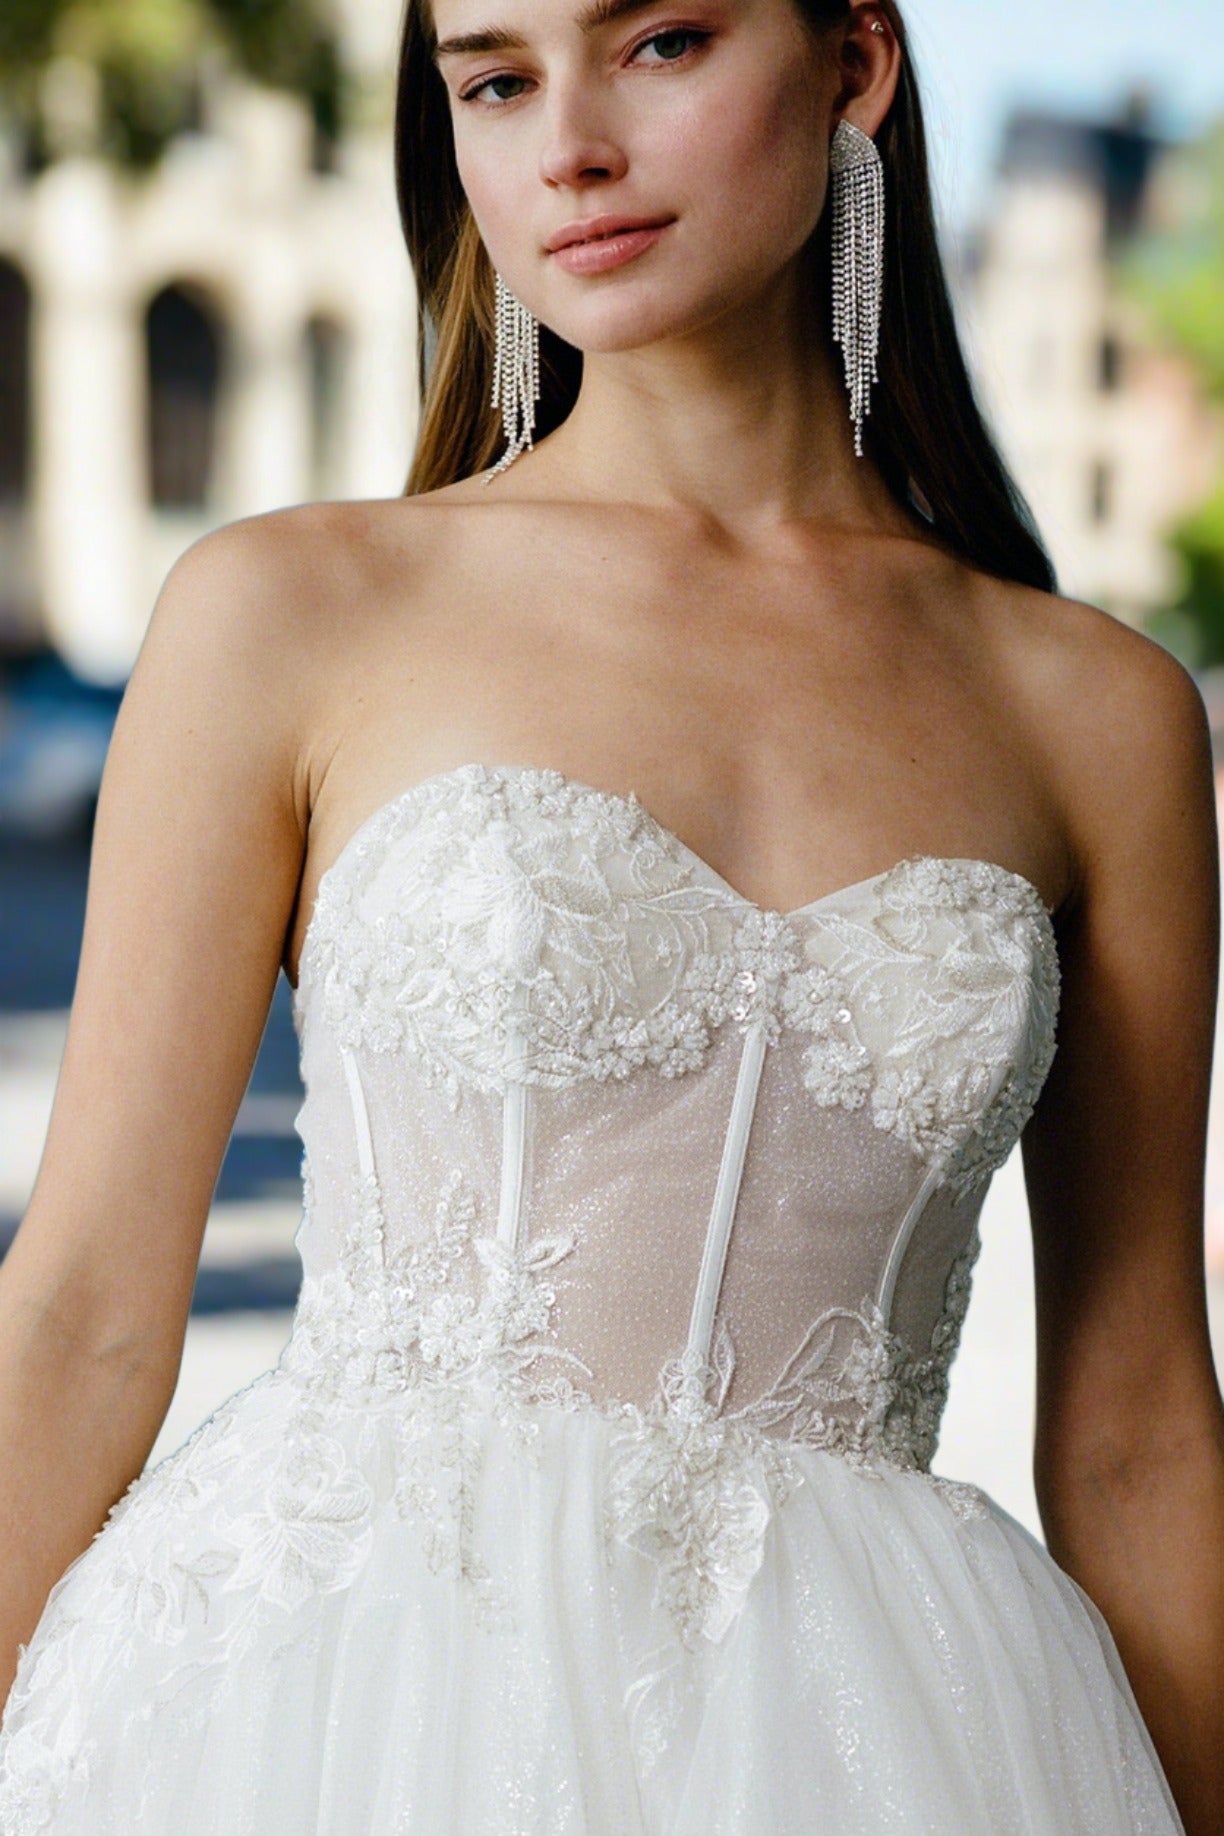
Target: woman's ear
869	58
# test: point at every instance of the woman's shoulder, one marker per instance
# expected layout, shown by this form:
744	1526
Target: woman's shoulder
1117	722
310	580
324	572
1085	665
298	558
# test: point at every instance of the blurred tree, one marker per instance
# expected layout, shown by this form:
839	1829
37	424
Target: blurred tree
125	75
1176	271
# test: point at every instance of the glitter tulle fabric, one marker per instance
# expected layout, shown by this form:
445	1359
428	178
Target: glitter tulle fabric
592	1492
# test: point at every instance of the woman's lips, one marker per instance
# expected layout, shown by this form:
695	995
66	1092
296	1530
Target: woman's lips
605	252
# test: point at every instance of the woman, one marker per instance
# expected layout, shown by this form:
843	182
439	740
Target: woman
645	1136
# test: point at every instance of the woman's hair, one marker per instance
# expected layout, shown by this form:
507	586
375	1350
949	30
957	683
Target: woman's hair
926	429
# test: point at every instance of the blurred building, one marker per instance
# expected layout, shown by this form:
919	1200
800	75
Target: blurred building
1110	436
233	332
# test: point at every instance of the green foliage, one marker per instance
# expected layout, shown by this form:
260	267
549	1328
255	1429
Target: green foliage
276	40
1193	625
1176	273
146	53
1177	269
27	40
147	56
27	33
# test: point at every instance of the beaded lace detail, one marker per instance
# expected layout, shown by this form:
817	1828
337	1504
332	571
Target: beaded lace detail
694	1485
545	934
587	942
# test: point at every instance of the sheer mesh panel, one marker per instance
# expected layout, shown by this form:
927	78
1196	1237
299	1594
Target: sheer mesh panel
822	1197
625	1297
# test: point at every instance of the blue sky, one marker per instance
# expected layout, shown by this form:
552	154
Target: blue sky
977	57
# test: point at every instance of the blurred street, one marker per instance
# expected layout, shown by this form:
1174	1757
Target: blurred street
248	1261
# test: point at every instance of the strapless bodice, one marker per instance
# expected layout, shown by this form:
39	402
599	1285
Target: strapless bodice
585	1126
591	1491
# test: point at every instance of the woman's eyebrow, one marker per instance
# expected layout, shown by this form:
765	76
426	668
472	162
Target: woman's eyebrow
496	38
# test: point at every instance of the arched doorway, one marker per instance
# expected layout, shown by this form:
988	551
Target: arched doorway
184	352
14	384
19	613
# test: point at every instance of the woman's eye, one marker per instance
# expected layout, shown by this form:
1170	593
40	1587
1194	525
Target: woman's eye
496	84
671	45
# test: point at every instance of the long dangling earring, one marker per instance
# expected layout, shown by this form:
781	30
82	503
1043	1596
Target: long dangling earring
516	375
858	263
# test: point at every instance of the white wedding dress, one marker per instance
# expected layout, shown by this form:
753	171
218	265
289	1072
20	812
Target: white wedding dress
591	1495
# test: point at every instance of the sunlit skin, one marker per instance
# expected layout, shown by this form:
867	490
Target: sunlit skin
708	373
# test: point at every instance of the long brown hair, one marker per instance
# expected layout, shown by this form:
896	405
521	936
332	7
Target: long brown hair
927	432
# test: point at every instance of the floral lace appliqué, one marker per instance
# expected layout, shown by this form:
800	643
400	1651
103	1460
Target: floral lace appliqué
948	1027
442	1342
416	1339
694	1490
500	928
538	930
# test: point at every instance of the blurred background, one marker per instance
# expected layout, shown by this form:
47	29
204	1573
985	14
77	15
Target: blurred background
206	312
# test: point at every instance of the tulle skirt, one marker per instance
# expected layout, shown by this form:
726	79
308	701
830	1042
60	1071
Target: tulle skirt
263	1643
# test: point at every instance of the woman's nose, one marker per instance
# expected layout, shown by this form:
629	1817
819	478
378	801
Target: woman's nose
577	148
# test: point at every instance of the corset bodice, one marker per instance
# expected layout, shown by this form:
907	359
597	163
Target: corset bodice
585	1124
637	1236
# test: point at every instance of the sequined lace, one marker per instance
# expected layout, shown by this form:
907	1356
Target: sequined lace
559	930
694	1484
542	934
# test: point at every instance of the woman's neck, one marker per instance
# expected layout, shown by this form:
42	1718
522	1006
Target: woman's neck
745	421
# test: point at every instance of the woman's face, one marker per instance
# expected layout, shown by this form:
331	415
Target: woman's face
706	121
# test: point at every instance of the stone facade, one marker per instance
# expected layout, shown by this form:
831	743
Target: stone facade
232	333
1109	436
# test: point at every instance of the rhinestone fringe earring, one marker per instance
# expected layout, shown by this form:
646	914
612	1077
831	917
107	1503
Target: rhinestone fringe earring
516	375
858	263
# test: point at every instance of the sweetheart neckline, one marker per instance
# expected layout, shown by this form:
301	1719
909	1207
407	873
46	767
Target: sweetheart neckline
630	799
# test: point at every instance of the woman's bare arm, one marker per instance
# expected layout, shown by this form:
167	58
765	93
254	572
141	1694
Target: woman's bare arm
194	869
1129	1459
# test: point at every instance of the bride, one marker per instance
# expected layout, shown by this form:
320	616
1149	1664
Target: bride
683	818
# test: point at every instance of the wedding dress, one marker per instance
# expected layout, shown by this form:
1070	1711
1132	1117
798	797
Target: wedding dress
591	1493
